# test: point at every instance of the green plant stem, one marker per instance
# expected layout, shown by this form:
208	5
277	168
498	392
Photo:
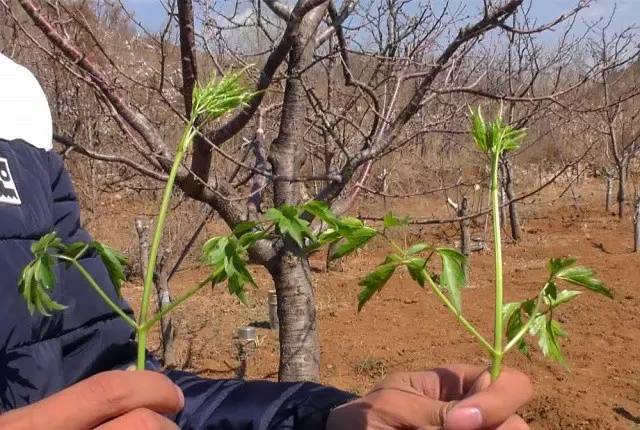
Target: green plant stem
467	325
175	303
100	292
496	359
155	244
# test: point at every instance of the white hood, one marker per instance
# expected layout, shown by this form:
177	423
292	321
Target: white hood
24	110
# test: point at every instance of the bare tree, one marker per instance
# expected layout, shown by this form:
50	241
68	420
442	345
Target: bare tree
615	111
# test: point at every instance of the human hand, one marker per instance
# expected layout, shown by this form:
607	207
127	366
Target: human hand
452	398
115	400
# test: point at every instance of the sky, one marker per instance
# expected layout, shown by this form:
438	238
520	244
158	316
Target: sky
152	14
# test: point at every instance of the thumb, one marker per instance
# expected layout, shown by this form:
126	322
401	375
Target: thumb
490	407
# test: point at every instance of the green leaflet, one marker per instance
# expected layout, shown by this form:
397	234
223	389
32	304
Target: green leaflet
417	270
562	297
548	332
289	223
36	285
114	261
225	256
377	279
512	315
322	211
353	239
584	277
417	248
453	276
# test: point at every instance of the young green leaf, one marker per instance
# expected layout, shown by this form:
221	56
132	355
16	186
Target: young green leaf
514	323
248	239
354	239
558	264
244	227
224	255
213	250
218	97
548	334
584	277
417	270
35	285
289	223
563	296
479	130
75	249
453	274
47	242
321	211
114	261
417	248
509	309
375	280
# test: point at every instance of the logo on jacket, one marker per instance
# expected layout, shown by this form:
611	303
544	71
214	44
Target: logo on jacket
8	191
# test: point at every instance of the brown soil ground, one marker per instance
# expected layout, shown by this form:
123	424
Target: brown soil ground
406	328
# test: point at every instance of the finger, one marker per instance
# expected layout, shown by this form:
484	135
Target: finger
139	419
444	384
105	396
513	423
492	406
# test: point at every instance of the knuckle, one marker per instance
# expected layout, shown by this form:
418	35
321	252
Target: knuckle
110	388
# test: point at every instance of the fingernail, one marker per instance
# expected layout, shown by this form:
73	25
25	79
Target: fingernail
463	419
180	397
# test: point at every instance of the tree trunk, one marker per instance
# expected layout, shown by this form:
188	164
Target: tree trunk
465	233
299	353
636	226
609	192
516	232
622	182
161	283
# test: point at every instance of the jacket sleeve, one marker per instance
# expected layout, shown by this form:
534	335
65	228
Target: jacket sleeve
255	405
209	404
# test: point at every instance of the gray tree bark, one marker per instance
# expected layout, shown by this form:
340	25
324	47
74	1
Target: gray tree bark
609	191
465	233
622	185
636	226
299	352
161	283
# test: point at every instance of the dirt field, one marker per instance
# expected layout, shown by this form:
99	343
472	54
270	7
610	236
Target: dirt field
405	328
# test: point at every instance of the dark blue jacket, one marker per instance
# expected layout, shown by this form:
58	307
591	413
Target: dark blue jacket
42	355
